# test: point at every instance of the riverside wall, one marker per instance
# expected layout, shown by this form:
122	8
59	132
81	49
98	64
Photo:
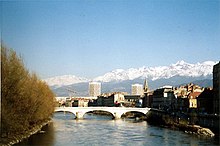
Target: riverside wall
209	121
204	125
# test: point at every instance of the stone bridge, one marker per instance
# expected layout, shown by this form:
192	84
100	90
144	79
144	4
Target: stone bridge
116	112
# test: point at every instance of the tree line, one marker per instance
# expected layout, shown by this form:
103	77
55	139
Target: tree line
26	101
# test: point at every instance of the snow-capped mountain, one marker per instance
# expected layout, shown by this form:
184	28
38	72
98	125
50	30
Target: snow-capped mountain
181	68
65	80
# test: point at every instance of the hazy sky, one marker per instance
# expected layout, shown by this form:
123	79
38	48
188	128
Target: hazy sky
91	37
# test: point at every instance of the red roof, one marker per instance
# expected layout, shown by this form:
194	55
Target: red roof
194	94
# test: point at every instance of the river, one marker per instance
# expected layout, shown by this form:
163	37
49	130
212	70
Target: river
102	130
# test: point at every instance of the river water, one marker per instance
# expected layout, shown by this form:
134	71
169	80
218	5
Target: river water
102	130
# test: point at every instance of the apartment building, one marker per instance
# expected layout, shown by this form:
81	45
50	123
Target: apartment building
94	89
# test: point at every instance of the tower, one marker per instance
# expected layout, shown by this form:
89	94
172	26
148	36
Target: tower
94	89
137	89
145	86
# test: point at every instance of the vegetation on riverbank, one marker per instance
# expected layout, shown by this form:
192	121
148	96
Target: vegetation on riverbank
26	101
25	135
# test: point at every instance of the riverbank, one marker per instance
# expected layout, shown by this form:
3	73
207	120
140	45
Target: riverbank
163	119
5	141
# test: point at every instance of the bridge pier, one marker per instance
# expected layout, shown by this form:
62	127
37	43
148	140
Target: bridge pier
79	115
117	115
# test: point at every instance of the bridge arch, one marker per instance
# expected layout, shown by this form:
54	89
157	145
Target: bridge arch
133	114
101	112
63	111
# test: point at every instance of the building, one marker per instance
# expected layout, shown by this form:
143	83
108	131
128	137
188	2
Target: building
163	98
216	88
137	89
148	99
111	99
61	101
192	98
184	91
205	101
94	89
132	101
74	101
82	101
186	96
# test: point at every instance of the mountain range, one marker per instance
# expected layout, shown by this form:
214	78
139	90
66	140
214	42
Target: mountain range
121	79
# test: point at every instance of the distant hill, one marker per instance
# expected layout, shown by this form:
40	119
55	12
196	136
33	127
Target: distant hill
121	80
125	86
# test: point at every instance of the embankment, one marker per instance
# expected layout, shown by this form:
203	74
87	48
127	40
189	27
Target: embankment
164	119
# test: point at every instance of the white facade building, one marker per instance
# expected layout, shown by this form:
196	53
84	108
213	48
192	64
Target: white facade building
94	89
137	89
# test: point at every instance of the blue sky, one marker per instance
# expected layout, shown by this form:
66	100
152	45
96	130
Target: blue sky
91	37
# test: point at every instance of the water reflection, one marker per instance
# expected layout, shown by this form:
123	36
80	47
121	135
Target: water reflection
90	116
45	138
63	116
